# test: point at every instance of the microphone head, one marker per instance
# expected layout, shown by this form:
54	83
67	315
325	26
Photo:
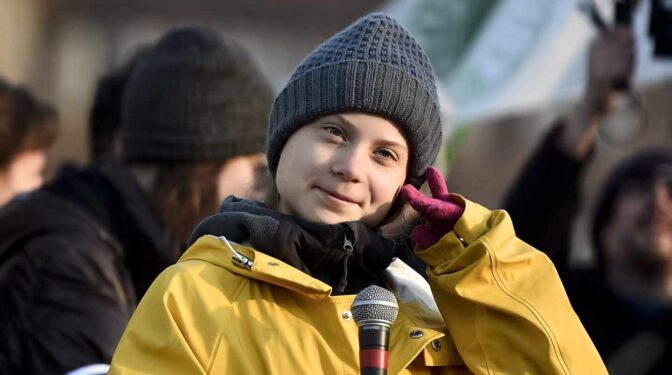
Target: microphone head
375	305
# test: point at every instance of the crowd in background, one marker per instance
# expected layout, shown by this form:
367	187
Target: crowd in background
182	125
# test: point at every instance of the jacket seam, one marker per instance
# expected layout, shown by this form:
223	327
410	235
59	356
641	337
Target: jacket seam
239	288
236	292
485	357
502	286
292	279
243	278
214	353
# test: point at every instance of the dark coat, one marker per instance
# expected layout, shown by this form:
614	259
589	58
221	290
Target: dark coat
543	202
75	256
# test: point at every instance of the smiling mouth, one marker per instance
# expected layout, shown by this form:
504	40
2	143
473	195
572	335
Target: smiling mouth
337	197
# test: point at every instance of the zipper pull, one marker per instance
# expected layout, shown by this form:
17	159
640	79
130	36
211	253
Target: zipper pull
348	232
238	259
241	260
348	248
347	245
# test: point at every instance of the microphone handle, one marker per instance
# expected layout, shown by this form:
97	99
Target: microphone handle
374	342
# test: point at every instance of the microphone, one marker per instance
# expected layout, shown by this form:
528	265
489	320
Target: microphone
374	310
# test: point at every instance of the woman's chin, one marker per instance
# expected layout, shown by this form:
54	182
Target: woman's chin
325	216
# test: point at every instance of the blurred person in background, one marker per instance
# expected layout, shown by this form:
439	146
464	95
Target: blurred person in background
625	300
28	127
77	254
105	114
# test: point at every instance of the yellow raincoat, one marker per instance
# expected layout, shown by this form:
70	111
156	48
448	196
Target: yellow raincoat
229	309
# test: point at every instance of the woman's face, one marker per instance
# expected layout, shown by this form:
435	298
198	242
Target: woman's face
24	173
242	176
342	167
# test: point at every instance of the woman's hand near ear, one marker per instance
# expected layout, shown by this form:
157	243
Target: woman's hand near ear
440	211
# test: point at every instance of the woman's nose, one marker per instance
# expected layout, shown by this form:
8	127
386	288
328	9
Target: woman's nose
349	165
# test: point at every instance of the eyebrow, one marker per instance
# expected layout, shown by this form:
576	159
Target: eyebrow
385	142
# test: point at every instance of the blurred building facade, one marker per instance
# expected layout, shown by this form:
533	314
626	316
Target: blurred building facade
60	48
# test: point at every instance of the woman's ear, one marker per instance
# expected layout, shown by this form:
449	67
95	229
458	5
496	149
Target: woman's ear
396	212
402	223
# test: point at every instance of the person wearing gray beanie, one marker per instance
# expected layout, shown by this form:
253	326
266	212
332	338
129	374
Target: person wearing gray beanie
193	127
196	96
83	249
374	66
194	124
353	133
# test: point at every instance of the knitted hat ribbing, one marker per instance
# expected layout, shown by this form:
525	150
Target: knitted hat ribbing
195	96
373	66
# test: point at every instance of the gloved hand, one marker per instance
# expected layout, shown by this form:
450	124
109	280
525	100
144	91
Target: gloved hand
440	211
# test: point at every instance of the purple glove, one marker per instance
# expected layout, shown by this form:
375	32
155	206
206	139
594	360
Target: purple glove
440	212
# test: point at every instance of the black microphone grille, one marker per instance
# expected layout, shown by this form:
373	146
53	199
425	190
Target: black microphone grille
375	303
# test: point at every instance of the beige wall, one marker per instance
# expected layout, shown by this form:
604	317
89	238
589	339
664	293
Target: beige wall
21	29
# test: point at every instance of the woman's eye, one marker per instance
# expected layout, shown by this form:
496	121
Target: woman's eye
387	154
334	131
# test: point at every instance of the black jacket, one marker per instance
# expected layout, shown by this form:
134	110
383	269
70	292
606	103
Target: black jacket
631	337
75	256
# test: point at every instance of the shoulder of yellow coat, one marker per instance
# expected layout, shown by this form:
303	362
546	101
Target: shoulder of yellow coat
218	253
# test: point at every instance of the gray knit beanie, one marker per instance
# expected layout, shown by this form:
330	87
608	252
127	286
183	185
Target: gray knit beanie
373	66
196	95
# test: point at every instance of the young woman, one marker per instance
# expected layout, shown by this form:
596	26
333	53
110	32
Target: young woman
267	289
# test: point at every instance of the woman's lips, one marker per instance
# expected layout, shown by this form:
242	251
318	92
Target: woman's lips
338	197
